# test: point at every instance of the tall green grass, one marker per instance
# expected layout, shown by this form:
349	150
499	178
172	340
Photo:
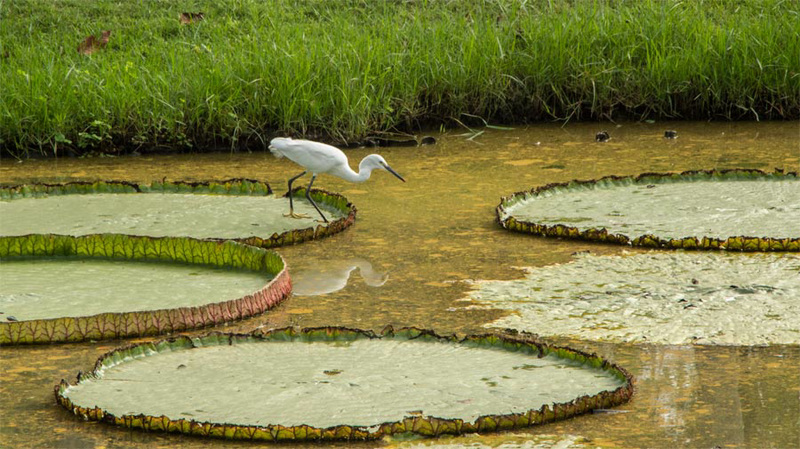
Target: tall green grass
342	69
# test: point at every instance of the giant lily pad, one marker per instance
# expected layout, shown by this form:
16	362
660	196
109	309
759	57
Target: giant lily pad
238	209
743	210
667	298
113	286
336	383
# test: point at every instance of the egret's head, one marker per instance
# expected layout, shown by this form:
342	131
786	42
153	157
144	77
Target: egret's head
376	161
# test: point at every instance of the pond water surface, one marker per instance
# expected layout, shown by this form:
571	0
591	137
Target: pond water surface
426	235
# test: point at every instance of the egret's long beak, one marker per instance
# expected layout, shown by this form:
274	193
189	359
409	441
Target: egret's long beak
389	169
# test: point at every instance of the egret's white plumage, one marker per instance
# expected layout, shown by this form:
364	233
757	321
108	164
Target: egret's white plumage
318	158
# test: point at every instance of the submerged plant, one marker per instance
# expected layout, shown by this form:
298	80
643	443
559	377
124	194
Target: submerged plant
674	297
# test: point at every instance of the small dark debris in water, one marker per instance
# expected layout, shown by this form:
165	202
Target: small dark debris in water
670	134
181	366
586	251
602	136
332	372
734	286
554	166
384	142
688	306
427	140
651	186
682	300
695	281
11	318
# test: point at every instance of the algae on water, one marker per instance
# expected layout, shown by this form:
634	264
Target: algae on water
669	298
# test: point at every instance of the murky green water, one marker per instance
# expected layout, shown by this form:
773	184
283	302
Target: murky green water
437	229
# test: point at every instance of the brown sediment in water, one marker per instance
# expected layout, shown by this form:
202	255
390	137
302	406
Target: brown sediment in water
439	228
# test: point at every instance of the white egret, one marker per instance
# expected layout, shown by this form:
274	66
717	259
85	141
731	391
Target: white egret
319	158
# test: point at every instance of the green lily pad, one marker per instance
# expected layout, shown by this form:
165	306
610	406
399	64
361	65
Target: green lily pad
239	209
280	385
61	288
666	298
742	210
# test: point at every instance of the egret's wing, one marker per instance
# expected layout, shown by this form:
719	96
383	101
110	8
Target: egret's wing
315	156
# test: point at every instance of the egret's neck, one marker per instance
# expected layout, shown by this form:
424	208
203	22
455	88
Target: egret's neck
363	174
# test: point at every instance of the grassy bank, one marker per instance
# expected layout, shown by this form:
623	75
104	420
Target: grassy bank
342	69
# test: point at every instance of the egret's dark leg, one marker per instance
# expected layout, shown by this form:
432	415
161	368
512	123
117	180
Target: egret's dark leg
308	196
291	205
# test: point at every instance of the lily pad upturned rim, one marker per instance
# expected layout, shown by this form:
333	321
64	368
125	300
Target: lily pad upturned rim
236	186
115	325
421	425
732	243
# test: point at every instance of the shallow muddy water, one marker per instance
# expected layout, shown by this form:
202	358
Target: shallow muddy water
424	236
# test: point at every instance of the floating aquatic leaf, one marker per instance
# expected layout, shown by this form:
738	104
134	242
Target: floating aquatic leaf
337	383
55	313
238	209
740	210
669	298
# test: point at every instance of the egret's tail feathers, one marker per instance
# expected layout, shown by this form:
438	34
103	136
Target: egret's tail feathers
278	145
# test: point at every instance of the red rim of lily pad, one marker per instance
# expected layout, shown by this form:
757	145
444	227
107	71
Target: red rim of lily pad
422	425
148	322
733	243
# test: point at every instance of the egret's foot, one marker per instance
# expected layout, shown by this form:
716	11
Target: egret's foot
296	215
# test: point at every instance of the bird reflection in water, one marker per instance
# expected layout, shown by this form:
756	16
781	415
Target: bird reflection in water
328	276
